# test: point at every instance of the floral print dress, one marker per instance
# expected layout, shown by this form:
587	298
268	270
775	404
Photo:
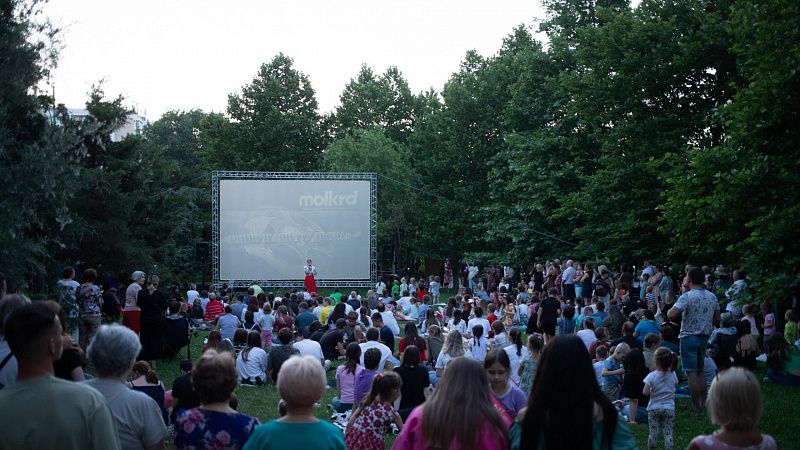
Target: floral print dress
203	429
529	365
369	429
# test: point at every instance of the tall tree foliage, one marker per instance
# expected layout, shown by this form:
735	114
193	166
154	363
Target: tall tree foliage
742	193
274	124
649	83
382	102
35	157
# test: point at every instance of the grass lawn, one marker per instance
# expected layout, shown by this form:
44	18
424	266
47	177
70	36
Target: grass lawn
780	417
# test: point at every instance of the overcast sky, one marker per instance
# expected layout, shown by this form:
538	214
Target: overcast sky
163	54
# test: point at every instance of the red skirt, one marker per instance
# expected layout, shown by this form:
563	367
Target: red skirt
310	284
131	320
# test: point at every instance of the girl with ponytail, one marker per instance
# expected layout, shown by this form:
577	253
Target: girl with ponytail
145	379
516	352
370	422
478	344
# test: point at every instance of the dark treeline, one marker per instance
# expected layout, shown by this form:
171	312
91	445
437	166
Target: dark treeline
669	132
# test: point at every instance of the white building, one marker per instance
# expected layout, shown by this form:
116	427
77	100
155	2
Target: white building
134	123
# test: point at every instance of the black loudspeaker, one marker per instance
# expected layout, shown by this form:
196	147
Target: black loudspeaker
387	253
201	251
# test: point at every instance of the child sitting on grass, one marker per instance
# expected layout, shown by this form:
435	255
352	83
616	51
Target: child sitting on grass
613	370
734	403
370	422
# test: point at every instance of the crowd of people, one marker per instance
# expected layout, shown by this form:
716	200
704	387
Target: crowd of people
565	356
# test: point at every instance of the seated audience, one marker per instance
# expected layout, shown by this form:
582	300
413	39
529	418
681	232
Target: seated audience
145	380
176	331
453	349
280	354
569	407
783	361
251	363
415	380
373	417
213	424
372	342
138	417
346	378
183	394
450	419
301	383
370	359
227	323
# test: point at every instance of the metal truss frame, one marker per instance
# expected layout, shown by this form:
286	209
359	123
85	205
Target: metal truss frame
218	175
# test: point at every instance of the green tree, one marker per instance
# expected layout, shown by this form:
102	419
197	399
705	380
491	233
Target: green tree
650	81
36	158
372	151
274	123
743	192
382	102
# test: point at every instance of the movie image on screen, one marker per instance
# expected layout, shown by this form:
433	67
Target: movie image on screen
268	228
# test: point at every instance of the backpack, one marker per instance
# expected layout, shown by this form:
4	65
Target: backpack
601	288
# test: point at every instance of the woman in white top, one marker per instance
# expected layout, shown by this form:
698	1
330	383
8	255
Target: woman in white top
453	348
516	352
310	282
252	361
457	323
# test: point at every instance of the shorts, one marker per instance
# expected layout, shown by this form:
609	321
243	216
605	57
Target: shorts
693	352
549	329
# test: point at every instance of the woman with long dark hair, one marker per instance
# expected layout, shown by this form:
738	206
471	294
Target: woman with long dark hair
567	410
412	338
339	312
450	419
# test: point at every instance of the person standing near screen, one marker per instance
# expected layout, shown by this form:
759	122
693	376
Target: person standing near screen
310	283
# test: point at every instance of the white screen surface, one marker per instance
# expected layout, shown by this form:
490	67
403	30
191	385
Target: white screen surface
268	228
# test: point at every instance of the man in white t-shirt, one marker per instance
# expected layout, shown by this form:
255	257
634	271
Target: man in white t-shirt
388	319
479	320
308	347
317	311
192	294
587	334
380	287
404	302
372	342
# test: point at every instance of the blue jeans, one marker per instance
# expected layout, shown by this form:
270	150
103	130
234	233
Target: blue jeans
340	407
783	378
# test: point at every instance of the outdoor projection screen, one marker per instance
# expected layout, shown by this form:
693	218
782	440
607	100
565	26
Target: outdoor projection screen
267	224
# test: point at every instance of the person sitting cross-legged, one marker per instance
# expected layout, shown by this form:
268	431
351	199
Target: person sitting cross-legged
214	424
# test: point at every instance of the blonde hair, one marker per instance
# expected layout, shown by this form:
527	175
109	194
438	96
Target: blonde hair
734	401
622	349
301	381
